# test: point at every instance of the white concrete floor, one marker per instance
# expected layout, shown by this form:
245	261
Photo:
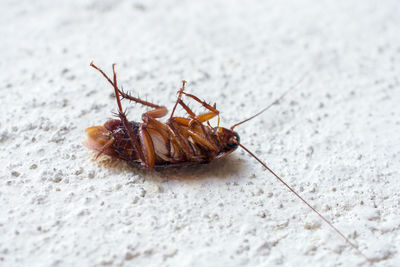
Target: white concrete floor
335	138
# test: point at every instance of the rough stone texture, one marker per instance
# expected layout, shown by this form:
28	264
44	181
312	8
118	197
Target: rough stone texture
335	138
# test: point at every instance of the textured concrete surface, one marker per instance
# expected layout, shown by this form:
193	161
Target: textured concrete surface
335	139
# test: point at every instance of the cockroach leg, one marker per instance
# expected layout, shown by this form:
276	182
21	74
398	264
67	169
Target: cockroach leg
125	122
155	113
180	138
147	147
186	108
203	140
205	104
121	113
178	98
195	121
205	116
107	145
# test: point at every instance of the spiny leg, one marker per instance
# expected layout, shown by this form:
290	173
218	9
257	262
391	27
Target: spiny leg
213	111
201	136
109	80
177	123
147	147
181	139
158	112
144	136
198	134
139	147
106	146
202	117
122	115
206	105
185	107
179	98
193	120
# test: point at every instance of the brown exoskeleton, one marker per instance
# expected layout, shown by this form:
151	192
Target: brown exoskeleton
179	141
152	143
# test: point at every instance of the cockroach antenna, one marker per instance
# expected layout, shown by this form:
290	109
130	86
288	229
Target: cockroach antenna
304	201
282	181
273	103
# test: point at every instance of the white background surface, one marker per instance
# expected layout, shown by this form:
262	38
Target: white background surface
335	139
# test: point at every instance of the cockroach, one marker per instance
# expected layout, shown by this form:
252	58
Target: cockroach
177	142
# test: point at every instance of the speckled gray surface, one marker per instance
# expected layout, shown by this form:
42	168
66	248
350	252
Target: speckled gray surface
335	139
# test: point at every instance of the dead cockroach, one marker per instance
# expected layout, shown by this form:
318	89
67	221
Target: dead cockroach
179	141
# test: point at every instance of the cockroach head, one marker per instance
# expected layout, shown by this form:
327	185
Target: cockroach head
228	137
234	141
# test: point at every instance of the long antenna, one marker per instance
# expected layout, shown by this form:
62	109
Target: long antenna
305	202
273	103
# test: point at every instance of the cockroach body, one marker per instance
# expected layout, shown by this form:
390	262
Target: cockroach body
179	141
165	150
